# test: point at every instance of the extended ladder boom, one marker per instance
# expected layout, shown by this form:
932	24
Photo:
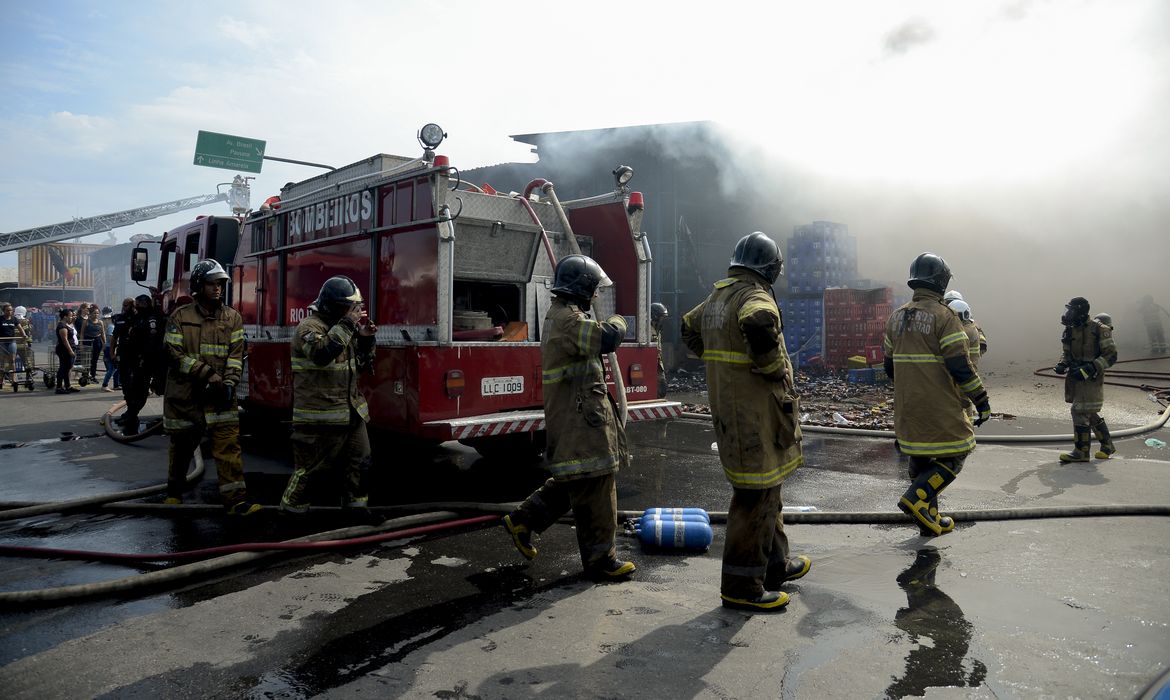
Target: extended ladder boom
102	223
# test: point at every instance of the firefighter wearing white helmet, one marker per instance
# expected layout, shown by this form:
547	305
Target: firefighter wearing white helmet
738	333
586	439
1087	350
954	295
330	349
205	342
927	358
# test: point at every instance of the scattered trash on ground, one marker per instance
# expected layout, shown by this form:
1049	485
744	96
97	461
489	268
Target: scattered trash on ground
1155	442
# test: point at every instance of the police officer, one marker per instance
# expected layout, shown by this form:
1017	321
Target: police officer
658	316
927	358
330	349
139	346
737	331
586	439
1087	350
121	328
205	342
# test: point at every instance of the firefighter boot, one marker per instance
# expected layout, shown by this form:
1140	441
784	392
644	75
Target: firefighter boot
521	536
768	601
921	499
611	570
1081	446
793	568
1101	430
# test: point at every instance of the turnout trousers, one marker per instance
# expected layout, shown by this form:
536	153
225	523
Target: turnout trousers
593	501
755	541
319	449
225	449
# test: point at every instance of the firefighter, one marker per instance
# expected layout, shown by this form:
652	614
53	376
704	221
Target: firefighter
11	335
954	295
138	342
738	333
24	348
586	438
926	344
963	311
205	342
330	349
1087	350
658	315
1152	314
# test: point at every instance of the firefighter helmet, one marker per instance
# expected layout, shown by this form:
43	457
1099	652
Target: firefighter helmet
658	312
961	309
929	271
337	296
1104	318
577	278
205	271
759	253
953	295
1076	312
19	312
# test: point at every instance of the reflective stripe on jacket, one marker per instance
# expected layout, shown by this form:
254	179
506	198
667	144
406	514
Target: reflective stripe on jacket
1092	342
738	332
326	362
585	437
932	371
200	344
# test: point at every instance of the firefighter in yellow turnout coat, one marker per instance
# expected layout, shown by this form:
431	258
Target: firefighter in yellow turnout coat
330	349
927	357
586	439
737	331
1087	350
205	344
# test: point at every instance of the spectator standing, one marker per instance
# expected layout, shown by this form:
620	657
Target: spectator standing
66	350
9	335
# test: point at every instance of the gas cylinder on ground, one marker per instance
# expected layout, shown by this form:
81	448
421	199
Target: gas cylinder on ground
687	529
677	513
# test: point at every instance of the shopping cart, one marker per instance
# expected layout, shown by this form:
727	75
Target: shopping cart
80	367
26	365
11	375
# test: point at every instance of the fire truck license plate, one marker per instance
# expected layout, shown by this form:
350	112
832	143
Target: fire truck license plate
495	386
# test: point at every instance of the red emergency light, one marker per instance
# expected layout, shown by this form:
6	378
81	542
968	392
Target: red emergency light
636	203
442	162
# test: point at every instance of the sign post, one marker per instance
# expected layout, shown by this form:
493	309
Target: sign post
229	152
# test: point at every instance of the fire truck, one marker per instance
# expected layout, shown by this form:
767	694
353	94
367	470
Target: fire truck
457	278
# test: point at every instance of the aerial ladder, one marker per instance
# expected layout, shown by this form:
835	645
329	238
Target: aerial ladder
238	196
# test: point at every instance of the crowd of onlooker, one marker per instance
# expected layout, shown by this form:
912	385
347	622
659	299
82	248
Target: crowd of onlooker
80	339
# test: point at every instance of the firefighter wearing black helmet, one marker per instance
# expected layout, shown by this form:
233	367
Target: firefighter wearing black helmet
205	342
738	333
658	316
1087	350
586	439
927	358
330	349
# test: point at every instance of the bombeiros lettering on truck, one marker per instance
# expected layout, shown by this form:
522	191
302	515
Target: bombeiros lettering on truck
455	276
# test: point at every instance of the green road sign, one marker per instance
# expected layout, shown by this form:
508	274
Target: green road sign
229	152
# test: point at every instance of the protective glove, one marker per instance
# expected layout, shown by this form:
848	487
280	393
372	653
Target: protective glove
225	394
1060	368
984	409
1084	371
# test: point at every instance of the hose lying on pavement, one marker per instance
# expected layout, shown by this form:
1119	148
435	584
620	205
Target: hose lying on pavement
107	421
418	524
988	439
81	503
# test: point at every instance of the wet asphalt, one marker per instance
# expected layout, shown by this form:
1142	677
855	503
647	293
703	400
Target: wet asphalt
1072	607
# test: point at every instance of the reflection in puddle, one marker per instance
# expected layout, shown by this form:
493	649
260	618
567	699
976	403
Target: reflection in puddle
936	624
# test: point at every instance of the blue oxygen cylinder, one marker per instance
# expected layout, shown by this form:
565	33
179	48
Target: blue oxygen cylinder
676	514
649	520
675	534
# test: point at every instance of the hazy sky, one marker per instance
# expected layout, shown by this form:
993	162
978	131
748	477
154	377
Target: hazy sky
1026	141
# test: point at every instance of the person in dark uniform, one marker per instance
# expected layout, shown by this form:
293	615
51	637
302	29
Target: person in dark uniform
139	353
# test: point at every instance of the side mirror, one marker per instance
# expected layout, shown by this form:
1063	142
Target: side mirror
139	261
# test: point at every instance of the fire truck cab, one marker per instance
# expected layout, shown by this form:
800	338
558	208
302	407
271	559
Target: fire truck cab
455	276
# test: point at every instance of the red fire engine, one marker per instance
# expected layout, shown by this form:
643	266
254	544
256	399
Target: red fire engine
456	277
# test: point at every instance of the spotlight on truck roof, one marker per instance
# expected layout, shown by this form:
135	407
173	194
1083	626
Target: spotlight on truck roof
622	175
431	135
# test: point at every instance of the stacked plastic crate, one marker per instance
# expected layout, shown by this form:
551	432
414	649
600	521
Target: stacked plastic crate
855	320
821	254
